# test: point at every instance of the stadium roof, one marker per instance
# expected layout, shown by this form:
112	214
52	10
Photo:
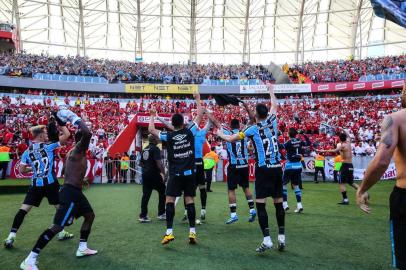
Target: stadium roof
224	31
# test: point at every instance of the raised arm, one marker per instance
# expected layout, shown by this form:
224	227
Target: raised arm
166	123
213	120
381	161
229	138
251	113
83	144
274	101
200	110
63	138
151	126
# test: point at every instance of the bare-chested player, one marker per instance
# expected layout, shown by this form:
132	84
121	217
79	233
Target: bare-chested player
347	169
73	203
392	144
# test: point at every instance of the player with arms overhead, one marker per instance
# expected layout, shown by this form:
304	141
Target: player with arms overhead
392	145
39	159
268	171
73	202
200	139
182	179
237	170
347	169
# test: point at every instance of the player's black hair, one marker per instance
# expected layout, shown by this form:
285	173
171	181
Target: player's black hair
262	111
177	120
235	124
213	148
342	136
78	135
292	132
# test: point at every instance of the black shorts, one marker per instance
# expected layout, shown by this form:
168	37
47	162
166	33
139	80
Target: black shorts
397	204
346	174
237	176
73	204
152	181
181	184
292	175
268	182
200	179
36	194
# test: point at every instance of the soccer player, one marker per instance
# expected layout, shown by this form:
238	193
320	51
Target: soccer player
39	159
73	202
347	169
153	173
268	171
293	168
237	170
200	139
181	147
391	146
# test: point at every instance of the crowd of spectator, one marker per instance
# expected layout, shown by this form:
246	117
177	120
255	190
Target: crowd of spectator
26	65
351	70
318	118
124	71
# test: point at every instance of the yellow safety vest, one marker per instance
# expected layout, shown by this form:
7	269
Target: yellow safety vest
124	165
319	162
4	153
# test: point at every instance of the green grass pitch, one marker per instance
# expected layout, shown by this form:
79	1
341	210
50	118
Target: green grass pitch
325	236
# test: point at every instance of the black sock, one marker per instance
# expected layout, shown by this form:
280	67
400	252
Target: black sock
18	220
170	213
84	235
43	240
233	207
250	202
344	193
191	214
203	197
263	218
280	217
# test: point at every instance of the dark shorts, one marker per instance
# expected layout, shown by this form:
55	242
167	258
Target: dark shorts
152	181
36	194
268	182
73	204
292	175
181	184
397	204
237	176
200	179
346	174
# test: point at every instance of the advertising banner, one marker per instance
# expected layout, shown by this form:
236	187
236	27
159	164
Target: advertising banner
161	88
356	86
278	88
93	169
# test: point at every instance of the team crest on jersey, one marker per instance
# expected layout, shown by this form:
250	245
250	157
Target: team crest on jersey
145	155
179	137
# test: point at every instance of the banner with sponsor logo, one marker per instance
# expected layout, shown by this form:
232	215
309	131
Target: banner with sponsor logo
356	86
93	170
161	88
277	88
142	119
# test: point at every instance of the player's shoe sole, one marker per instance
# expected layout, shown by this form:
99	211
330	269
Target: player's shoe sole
263	248
144	220
65	236
167	238
231	220
192	238
85	253
25	266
